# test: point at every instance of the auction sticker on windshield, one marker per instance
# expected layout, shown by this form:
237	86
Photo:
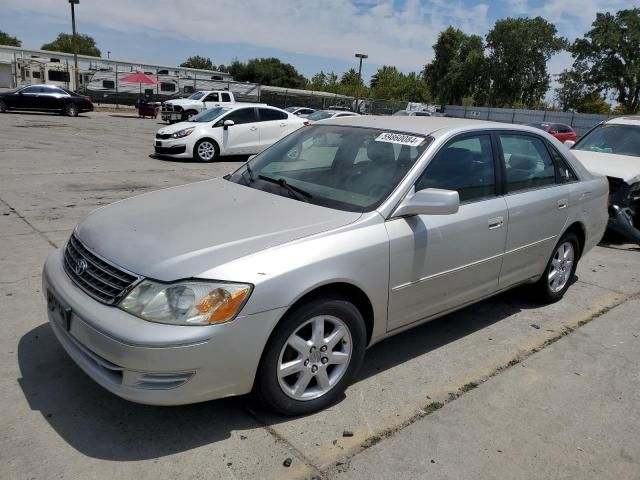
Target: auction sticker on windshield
400	139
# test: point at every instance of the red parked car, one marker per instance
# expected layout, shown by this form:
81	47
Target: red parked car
559	130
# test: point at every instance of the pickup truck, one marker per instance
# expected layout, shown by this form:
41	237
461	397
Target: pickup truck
182	109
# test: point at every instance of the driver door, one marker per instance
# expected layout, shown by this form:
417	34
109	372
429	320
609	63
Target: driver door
241	138
438	262
211	100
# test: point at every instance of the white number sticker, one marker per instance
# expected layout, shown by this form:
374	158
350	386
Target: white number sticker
400	139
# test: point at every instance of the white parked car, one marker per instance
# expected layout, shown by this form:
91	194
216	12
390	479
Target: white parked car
412	113
242	129
325	114
180	109
300	111
612	148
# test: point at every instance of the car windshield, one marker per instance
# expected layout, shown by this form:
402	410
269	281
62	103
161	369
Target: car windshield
540	125
612	138
345	168
320	115
209	115
196	96
401	113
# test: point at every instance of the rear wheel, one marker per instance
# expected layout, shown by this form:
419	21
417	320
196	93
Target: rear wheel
561	268
3	106
206	150
312	356
71	110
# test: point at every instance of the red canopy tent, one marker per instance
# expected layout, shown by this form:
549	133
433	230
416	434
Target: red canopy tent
140	78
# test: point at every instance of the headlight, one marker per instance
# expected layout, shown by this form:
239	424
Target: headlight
186	303
185	132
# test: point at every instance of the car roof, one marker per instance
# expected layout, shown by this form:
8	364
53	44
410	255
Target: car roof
626	120
424	125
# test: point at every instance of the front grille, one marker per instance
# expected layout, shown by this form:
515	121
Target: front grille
167	107
103	281
163	136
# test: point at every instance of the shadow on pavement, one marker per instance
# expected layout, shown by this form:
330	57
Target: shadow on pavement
227	158
101	425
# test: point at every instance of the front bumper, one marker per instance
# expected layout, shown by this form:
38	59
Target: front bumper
152	363
174	147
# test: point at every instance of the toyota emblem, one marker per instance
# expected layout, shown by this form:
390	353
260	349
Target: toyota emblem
81	266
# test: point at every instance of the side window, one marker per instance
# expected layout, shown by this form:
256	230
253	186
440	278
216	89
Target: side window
226	97
31	90
243	115
268	115
108	84
554	128
527	162
212	97
565	173
188	89
464	165
167	87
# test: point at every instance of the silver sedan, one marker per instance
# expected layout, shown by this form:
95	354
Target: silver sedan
277	277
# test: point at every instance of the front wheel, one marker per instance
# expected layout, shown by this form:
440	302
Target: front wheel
186	116
312	356
206	150
561	268
71	110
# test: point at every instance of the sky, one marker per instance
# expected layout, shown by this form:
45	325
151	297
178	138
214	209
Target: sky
312	35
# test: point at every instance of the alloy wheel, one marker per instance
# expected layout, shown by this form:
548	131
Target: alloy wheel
314	358
206	151
561	267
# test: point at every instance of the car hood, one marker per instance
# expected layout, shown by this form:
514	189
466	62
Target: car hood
182	101
183	231
625	167
176	127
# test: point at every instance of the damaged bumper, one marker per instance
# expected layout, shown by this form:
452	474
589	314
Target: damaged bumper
624	209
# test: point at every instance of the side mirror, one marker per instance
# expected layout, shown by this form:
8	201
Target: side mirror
431	201
228	123
569	143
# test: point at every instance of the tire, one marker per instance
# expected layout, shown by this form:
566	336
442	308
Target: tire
561	268
3	106
71	110
186	116
321	374
206	150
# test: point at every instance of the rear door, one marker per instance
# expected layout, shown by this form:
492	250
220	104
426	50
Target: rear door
242	137
537	203
438	262
272	125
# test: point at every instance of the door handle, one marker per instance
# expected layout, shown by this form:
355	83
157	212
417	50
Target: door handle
253	129
495	222
283	124
563	203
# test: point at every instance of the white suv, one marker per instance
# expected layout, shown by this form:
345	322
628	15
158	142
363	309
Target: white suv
234	130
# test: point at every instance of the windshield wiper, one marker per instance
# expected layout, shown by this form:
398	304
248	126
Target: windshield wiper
283	183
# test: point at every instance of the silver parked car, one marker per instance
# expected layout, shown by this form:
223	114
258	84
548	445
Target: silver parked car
277	277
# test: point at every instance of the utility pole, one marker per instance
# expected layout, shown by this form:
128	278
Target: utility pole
75	43
360	56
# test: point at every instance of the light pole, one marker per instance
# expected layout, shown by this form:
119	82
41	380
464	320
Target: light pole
361	56
75	42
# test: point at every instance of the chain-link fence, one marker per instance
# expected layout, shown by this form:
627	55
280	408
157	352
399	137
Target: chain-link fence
580	122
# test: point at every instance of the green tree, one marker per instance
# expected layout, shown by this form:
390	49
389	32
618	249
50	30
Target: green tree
457	68
351	78
609	55
519	49
202	63
593	103
390	84
267	71
64	43
6	39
